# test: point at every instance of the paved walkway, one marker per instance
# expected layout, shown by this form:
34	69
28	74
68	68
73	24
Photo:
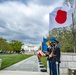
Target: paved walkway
21	73
29	64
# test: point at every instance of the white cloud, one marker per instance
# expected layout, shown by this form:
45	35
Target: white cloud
47	2
27	23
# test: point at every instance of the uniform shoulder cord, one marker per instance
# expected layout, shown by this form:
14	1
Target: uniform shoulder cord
52	53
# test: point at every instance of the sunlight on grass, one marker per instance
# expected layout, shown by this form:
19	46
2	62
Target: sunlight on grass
10	59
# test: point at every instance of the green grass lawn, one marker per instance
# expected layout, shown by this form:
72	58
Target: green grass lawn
44	60
10	59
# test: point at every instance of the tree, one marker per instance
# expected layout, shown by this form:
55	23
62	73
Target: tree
72	3
3	44
16	45
65	38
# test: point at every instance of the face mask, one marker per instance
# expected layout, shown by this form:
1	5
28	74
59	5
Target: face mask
53	44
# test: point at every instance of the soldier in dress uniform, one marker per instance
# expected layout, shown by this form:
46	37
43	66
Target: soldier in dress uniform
55	59
49	57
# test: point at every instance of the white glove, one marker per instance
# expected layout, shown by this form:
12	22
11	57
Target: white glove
56	62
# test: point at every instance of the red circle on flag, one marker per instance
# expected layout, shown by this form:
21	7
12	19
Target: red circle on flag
61	16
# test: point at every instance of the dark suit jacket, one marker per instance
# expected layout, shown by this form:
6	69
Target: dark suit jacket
57	53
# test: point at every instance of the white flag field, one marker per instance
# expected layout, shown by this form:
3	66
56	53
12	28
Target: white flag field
60	17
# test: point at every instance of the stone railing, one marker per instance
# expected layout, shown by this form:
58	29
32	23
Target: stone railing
68	60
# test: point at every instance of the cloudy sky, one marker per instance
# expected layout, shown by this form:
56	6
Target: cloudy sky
26	20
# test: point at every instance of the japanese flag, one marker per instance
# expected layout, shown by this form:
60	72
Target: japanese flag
60	17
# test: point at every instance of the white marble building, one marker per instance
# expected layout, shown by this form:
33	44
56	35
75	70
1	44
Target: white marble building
29	47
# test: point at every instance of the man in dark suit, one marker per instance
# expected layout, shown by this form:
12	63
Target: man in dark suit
56	59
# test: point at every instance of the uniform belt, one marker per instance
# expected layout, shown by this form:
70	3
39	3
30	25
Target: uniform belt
54	55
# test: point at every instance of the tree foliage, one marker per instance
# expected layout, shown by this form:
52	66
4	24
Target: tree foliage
14	45
3	44
65	37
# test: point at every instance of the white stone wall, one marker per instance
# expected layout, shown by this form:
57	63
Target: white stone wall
68	60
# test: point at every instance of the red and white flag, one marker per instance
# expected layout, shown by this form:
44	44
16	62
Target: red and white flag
39	53
60	17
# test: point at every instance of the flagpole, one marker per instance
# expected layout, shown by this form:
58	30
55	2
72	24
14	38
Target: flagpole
73	24
73	31
73	20
42	44
49	26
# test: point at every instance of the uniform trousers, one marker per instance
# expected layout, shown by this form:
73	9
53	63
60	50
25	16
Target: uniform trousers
54	68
